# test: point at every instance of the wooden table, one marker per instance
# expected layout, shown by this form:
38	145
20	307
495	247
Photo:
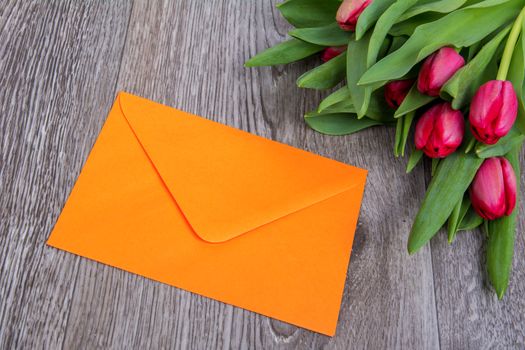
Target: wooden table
61	65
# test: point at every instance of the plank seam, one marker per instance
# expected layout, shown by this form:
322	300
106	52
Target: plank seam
435	297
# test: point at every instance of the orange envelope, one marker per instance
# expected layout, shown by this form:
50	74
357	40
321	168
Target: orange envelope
216	211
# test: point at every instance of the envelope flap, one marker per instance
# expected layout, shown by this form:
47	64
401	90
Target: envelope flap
228	182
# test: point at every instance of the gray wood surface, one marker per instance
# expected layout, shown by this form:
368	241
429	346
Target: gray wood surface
61	64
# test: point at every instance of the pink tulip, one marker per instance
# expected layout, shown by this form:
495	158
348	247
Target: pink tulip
439	131
349	12
493	191
331	52
437	69
396	91
493	111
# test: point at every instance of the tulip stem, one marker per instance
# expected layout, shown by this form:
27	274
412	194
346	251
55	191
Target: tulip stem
509	46
470	145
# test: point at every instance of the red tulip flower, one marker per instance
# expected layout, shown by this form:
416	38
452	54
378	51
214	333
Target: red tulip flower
349	12
331	52
396	91
493	111
439	131
437	69
493	191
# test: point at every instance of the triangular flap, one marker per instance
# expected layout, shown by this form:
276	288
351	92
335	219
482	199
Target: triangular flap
226	181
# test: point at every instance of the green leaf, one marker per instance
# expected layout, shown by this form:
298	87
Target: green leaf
402	130
341	101
453	220
469	141
378	108
502	147
473	50
460	28
464	84
383	25
414	159
516	75
330	35
501	232
355	67
338	124
412	102
463	218
309	13
397	42
453	176
385	46
409	26
442	6
285	52
470	221
326	76
344	106
335	97
435	163
406	130
370	15
522	42
399	132
377	41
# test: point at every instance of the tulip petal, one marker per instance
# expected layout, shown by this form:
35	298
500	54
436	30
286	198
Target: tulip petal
440	131
445	65
493	111
451	126
424	128
508	111
509	181
487	190
424	74
349	12
331	52
438	69
396	91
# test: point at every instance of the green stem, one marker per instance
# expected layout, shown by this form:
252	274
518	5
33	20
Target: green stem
470	145
435	163
509	46
486	227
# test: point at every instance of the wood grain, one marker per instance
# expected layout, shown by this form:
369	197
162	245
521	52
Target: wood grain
63	64
58	68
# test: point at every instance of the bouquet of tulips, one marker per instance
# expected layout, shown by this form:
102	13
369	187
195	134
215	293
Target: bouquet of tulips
451	70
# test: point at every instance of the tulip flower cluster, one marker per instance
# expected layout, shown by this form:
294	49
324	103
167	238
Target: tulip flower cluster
455	83
440	129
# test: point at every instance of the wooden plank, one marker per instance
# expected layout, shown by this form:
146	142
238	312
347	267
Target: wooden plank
190	54
58	65
470	315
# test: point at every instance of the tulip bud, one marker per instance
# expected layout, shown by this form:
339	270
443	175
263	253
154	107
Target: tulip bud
439	131
349	11
493	191
331	52
396	91
493	111
437	69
